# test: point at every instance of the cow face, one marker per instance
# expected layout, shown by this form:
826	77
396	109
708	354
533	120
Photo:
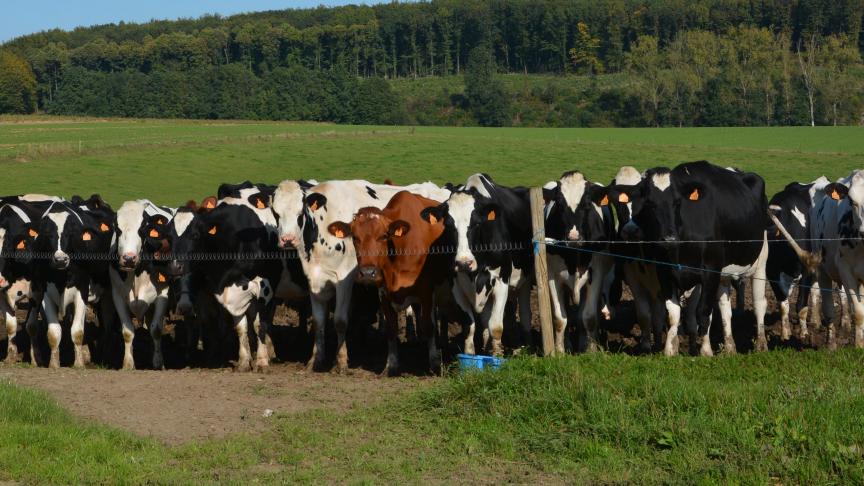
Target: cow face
63	233
185	231
290	205
623	191
16	245
137	231
654	204
472	218
373	235
576	209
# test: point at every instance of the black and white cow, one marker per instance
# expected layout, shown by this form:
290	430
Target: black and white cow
140	282
19	219
75	238
492	228
304	214
578	218
837	252
784	269
691	213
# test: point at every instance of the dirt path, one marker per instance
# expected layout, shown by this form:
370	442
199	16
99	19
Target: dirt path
177	406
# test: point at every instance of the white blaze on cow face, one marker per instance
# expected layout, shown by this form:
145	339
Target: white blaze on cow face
628	176
856	199
130	217
460	207
478	182
573	187
661	181
799	215
288	205
182	220
59	220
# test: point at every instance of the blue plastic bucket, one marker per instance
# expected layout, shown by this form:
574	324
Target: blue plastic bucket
478	362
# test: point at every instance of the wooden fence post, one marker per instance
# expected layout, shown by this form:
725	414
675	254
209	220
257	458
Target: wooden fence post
544	303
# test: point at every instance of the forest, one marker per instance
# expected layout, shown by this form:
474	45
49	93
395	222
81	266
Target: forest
473	62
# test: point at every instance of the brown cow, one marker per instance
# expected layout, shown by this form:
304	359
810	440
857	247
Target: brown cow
400	253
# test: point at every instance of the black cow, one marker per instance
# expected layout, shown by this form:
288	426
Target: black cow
784	269
577	215
73	242
689	213
492	227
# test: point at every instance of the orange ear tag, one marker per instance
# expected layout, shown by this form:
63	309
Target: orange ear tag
259	204
161	277
210	204
623	198
398	231
338	233
491	216
104	227
835	195
154	233
694	196
604	201
212	231
86	236
20	245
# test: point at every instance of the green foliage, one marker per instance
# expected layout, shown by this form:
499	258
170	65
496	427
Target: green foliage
486	97
17	85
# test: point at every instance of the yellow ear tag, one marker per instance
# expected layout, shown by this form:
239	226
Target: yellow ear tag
104	227
491	216
86	236
161	277
212	231
623	198
694	196
154	233
33	233
604	201
835	195
20	245
259	204
432	219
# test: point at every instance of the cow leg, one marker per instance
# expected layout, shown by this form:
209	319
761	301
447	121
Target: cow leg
319	314
827	308
785	323
340	317
468	309
858	305
673	311
391	329
241	327
643	312
760	303
55	332
814	309
496	317
78	318
427	327
559	313
33	330
265	351
157	325
524	296
589	313
11	331
845	301
725	306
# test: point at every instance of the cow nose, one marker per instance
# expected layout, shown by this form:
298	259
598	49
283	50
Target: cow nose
129	259
287	241
367	274
61	259
466	264
177	267
630	231
573	234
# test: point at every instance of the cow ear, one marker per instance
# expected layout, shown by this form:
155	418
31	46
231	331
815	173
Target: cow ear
551	191
104	227
214	228
208	204
599	195
694	192
259	201
434	214
339	229
836	191
315	201
398	228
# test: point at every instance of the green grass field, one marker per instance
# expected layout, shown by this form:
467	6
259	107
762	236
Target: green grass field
780	417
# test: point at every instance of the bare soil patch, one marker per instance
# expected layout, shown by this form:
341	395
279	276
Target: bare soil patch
178	406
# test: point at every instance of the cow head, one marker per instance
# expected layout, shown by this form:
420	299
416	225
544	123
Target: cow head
185	231
138	231
17	239
373	235
293	209
853	195
576	209
654	205
64	232
474	219
622	193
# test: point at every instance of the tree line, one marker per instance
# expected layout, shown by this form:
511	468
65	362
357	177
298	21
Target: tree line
704	62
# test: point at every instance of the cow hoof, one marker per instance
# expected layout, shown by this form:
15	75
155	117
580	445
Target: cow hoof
761	344
389	371
79	364
342	370
261	366
12	357
243	366
645	346
315	365
729	347
54	364
592	348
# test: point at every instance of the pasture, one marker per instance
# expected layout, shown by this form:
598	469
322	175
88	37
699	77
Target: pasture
779	417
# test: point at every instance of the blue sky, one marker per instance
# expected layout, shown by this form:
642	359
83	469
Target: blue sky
22	17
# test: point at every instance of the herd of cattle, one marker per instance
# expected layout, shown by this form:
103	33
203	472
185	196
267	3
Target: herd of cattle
678	238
